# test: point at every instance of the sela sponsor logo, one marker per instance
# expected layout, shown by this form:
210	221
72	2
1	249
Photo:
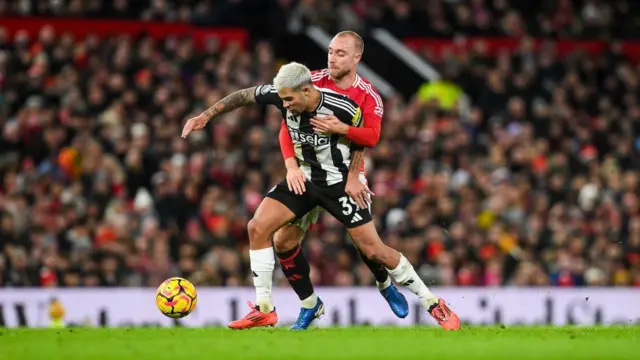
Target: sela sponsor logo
306	138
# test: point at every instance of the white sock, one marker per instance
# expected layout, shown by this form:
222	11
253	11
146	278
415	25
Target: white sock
405	275
385	284
310	302
262	264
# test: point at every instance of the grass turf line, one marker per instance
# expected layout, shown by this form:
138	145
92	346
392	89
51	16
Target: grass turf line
344	343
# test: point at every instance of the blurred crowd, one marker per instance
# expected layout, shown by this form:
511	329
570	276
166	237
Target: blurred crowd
536	185
158	10
573	19
262	18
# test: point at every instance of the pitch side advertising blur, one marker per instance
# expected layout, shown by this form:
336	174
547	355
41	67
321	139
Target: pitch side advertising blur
126	307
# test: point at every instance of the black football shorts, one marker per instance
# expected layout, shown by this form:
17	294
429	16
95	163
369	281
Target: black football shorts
332	198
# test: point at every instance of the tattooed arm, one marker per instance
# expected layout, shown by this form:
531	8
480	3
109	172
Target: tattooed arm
231	102
263	94
355	188
357	160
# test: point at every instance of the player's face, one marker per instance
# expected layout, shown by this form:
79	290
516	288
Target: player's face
295	100
343	56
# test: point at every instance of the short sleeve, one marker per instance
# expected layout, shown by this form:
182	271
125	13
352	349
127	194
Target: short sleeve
268	95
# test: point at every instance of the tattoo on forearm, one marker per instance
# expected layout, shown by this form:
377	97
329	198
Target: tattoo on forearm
357	159
232	101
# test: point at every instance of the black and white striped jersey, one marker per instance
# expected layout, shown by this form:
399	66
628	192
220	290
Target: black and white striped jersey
324	159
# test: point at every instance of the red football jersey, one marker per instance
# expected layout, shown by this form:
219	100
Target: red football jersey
360	91
363	93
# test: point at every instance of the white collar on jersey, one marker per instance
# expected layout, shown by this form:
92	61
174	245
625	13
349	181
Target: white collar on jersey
356	80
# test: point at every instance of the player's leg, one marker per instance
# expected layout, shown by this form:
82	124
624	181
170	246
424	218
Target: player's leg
394	298
293	262
364	234
367	238
379	272
270	216
342	207
279	207
397	302
296	267
287	242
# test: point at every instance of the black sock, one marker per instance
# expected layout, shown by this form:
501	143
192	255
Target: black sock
378	270
296	268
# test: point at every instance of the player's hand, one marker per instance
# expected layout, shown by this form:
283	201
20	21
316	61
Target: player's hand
195	123
329	124
358	191
296	180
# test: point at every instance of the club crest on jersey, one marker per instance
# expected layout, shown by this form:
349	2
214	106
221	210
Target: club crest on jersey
264	89
306	138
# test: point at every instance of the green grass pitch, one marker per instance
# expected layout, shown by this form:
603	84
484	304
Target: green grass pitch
345	343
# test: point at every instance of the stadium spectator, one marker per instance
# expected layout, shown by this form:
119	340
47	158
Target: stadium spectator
574	19
537	185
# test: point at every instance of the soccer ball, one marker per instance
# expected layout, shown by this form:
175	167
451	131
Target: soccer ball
176	298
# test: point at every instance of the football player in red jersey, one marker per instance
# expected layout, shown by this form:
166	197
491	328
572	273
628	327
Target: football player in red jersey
344	54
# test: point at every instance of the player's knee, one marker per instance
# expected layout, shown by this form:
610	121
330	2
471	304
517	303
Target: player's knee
286	238
258	231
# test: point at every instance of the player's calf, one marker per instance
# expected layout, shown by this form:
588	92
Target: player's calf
287	238
378	270
367	239
297	271
294	264
296	268
371	246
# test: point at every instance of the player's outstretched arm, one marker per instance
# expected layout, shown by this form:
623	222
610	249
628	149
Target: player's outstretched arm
231	102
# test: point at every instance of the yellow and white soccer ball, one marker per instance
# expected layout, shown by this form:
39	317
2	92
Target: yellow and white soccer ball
176	298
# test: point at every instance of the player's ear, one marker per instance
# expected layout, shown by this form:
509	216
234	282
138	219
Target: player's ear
306	90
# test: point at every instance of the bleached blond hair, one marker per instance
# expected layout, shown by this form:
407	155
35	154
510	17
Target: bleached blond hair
293	76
